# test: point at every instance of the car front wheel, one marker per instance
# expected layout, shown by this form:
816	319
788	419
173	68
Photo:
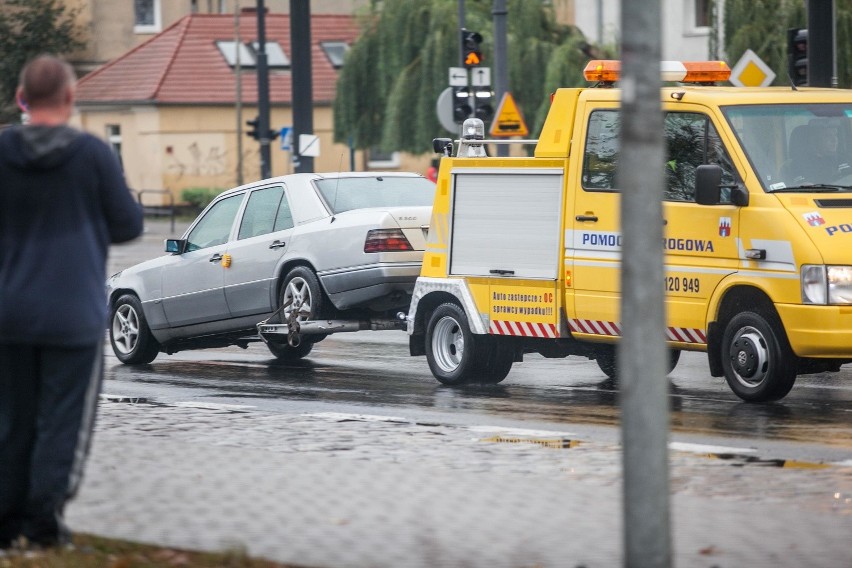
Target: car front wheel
129	334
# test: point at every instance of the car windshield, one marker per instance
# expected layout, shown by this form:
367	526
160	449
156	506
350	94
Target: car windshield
796	147
344	194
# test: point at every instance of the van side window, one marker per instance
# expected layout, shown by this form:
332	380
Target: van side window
691	140
601	155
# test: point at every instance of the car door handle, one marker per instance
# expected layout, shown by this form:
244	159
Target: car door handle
592	218
216	258
276	244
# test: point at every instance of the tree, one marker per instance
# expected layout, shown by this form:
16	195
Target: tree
29	28
761	25
390	82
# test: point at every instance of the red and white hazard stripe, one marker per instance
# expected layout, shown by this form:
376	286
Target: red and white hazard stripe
686	335
613	329
595	327
523	329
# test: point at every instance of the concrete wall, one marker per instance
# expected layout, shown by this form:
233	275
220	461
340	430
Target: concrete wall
171	148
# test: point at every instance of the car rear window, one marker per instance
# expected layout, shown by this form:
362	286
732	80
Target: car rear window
345	194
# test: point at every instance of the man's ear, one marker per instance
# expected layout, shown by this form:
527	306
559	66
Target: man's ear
19	99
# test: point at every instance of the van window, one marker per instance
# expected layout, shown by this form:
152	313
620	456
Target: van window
691	140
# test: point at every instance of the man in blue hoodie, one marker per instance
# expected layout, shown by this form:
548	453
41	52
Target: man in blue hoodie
63	200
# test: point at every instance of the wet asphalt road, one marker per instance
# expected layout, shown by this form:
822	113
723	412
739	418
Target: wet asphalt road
371	372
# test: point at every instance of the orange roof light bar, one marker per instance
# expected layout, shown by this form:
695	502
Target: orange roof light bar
608	71
603	70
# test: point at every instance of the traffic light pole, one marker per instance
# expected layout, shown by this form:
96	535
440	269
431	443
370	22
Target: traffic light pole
303	107
263	94
821	45
501	66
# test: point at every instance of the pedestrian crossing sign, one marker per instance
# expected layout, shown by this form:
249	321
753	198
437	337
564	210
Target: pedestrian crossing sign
508	119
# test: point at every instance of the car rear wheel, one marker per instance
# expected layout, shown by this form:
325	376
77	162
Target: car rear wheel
303	300
284	352
129	334
758	362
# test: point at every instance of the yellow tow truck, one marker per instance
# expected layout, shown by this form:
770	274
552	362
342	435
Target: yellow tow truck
523	253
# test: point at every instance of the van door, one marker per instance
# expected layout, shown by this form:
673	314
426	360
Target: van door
700	242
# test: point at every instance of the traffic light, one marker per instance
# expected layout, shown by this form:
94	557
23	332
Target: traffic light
253	131
484	109
797	54
471	52
462	104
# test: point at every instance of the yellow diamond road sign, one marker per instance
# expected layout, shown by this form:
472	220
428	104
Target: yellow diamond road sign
751	71
508	120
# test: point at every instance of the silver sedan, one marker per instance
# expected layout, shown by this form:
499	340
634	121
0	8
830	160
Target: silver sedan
326	245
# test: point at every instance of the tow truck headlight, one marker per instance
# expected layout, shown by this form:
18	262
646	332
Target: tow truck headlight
826	284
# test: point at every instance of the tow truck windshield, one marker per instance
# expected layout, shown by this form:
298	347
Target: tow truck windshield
796	147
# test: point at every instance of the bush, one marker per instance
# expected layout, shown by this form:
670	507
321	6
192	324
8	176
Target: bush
200	197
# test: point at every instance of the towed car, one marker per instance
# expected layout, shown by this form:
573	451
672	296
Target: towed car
321	245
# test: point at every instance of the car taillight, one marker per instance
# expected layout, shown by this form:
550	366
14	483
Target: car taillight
386	240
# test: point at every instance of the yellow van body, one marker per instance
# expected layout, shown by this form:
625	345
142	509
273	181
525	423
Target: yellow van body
523	254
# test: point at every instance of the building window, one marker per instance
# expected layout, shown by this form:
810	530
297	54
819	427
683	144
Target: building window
113	135
147	16
275	56
381	159
702	13
335	51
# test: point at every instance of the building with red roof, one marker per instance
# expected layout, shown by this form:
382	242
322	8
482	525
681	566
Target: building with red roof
169	106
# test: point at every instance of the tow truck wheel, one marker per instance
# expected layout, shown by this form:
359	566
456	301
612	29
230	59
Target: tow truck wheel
498	355
284	352
450	345
129	334
758	362
606	358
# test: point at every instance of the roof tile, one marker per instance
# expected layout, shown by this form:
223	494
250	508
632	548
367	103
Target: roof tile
183	65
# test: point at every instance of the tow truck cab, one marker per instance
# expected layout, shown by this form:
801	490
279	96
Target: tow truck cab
523	254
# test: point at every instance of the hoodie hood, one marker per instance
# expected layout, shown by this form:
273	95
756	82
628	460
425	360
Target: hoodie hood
37	146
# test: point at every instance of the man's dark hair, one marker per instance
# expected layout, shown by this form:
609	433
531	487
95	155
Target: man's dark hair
44	80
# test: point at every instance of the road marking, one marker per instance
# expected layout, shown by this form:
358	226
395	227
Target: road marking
707	449
213	405
342	416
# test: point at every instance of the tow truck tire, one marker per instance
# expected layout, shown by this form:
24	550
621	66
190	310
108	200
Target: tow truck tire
758	362
497	358
451	346
129	334
283	352
606	358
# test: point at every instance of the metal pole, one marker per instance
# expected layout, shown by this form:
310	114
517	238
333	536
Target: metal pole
303	106
821	44
642	351
263	93
501	64
461	26
239	79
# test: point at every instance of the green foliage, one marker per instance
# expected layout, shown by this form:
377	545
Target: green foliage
761	25
394	73
200	197
29	28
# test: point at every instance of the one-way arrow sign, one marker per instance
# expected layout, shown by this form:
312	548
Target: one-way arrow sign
458	77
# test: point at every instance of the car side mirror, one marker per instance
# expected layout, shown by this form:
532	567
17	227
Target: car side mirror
708	184
176	246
